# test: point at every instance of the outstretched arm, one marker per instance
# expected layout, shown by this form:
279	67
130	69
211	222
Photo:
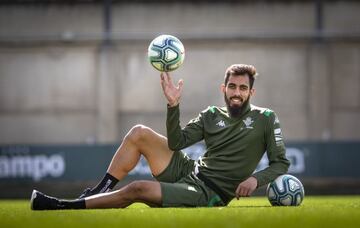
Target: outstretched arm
171	92
193	132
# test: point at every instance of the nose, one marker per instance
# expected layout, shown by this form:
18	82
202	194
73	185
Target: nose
237	91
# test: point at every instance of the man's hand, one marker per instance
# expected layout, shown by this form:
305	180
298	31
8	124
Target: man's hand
171	92
246	188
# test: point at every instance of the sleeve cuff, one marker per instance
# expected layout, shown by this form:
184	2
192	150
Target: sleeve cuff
172	107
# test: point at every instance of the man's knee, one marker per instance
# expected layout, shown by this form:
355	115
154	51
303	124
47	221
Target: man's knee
138	189
138	133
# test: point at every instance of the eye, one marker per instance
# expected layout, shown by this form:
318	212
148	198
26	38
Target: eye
231	86
244	87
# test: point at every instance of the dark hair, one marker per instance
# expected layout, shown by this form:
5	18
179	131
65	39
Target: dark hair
241	70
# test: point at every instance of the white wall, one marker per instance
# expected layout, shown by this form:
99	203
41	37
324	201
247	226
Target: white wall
53	91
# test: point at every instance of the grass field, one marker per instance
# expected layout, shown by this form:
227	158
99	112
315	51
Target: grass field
329	211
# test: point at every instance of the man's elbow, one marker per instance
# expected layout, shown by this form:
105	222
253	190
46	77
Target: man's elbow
286	165
173	146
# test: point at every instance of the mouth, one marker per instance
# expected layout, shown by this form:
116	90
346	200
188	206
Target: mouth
236	100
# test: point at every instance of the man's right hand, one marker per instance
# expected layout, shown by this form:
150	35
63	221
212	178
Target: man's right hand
171	92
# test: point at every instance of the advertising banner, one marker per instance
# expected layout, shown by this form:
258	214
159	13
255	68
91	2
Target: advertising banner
89	162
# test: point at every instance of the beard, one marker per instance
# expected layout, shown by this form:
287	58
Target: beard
235	111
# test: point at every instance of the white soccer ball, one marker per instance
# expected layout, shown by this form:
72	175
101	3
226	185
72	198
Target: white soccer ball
166	53
285	190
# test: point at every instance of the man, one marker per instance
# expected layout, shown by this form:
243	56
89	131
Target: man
236	137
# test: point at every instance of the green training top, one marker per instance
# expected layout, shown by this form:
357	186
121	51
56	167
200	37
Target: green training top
234	146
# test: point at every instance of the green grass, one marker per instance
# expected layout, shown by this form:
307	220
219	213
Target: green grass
329	211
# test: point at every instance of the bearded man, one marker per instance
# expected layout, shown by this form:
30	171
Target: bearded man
236	137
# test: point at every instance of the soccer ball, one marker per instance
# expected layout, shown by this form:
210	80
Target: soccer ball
166	53
285	190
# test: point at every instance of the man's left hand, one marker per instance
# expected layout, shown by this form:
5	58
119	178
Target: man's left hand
246	188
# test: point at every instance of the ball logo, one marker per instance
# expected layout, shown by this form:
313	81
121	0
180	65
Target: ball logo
293	185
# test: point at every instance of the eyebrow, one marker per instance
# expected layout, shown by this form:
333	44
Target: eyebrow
233	84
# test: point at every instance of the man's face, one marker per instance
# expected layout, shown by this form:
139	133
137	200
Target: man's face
237	92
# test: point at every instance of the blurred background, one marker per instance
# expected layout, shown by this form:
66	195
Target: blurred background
74	78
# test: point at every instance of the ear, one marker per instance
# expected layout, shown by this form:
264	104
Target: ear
252	92
222	88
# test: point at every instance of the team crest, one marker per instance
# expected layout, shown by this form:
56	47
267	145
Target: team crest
248	121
